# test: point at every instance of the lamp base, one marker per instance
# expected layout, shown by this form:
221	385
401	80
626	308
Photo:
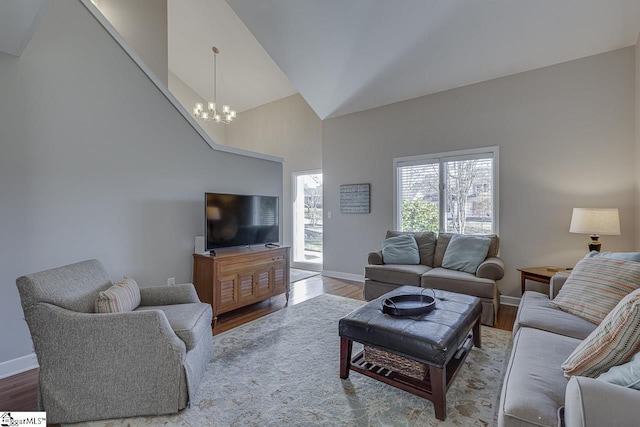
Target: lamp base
594	245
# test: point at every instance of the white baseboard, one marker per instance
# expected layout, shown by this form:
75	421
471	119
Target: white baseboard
19	365
344	276
505	300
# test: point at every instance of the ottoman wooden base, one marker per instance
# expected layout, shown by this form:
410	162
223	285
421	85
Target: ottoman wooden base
433	387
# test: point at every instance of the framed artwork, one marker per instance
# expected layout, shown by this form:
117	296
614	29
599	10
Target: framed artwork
355	198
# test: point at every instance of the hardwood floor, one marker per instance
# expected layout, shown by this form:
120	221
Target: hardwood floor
19	392
300	291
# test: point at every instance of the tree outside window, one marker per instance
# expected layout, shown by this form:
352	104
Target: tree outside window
467	194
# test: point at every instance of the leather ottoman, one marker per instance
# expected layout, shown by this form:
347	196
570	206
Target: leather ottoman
440	339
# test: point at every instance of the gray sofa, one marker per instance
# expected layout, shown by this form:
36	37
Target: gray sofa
535	388
96	366
381	278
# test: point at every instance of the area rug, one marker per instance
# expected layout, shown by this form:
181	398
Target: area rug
282	370
295	274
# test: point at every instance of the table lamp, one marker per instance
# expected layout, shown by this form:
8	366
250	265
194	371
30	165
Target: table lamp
595	221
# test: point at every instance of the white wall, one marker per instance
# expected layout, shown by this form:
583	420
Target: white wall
287	128
96	163
143	24
566	138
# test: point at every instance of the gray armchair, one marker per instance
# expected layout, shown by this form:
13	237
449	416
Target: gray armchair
97	366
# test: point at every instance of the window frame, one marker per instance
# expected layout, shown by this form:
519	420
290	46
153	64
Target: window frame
441	158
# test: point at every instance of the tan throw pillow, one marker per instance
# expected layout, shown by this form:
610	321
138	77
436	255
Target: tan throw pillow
123	296
596	285
612	343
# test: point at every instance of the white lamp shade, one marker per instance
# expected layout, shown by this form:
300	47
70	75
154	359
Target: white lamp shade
595	221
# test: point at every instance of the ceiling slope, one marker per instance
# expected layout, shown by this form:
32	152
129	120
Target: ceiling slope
18	21
247	76
348	56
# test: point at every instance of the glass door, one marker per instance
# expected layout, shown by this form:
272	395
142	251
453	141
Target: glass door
307	220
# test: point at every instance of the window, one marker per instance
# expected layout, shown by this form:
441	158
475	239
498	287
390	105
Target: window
455	192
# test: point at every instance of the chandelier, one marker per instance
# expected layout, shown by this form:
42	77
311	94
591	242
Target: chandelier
212	113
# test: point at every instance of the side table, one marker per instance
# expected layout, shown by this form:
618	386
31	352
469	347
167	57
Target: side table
537	274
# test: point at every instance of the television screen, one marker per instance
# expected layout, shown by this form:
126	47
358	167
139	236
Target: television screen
238	220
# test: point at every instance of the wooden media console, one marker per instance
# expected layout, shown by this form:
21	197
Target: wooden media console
236	277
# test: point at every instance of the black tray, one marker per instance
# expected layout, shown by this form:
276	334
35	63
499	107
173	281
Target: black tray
409	305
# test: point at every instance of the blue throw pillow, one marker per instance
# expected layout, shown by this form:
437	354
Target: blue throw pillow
401	249
626	375
466	253
624	256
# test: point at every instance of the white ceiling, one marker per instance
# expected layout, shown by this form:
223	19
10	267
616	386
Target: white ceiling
18	20
345	56
247	76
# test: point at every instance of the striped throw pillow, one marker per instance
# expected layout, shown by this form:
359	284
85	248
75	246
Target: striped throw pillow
123	296
596	285
612	343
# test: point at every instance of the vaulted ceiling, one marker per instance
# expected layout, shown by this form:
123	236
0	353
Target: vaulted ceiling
345	56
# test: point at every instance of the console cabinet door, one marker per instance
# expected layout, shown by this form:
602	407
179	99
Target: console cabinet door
246	288
279	272
226	292
263	282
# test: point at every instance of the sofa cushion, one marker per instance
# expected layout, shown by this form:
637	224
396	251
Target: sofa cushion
190	322
535	311
426	244
465	253
121	297
612	343
401	249
460	282
396	273
534	387
445	238
596	285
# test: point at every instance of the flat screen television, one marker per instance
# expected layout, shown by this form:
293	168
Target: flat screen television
240	220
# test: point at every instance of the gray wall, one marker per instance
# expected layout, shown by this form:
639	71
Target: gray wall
96	163
566	138
287	128
143	24
637	53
